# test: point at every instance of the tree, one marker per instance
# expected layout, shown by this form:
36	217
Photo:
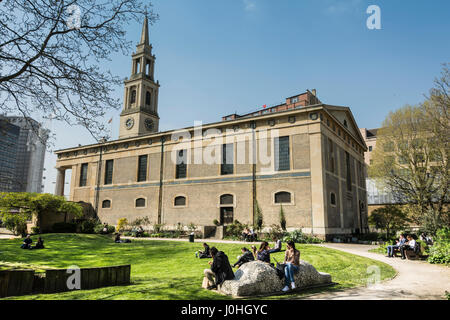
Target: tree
16	208
52	53
282	218
258	220
389	218
411	157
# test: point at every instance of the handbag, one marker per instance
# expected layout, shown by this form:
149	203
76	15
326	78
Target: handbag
280	269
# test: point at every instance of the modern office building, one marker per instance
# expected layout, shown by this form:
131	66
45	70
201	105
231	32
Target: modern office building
22	166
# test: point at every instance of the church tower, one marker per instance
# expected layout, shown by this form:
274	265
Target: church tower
140	103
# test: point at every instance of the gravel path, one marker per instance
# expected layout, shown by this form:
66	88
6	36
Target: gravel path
416	280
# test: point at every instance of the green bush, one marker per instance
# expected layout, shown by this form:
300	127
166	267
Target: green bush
299	237
35	230
275	232
439	252
110	229
64	227
88	226
235	229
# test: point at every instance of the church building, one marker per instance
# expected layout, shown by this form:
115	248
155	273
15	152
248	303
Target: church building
303	156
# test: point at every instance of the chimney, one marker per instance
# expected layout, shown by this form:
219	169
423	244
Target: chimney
314	92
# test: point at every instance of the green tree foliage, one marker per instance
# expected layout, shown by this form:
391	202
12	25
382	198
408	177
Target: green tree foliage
258	220
282	219
411	157
389	218
16	208
440	250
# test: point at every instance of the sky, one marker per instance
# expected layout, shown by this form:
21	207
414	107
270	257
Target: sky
217	57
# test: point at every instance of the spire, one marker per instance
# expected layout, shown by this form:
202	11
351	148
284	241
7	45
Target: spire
144	34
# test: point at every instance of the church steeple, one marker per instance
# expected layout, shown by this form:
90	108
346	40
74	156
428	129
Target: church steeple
144	34
140	108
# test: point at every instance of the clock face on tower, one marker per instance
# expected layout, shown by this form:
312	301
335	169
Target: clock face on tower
129	123
148	123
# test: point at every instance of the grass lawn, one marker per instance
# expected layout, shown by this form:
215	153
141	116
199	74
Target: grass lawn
165	270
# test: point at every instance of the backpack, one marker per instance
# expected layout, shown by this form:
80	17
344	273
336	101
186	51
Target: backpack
417	248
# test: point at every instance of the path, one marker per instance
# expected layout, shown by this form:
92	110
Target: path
415	279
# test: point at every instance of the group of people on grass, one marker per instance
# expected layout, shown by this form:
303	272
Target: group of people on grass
27	243
222	270
407	243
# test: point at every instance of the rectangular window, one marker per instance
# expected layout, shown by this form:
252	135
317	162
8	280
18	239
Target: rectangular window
282	154
227	166
109	171
83	175
349	174
142	168
181	165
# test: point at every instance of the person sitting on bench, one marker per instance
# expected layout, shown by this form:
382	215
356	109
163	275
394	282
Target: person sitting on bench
205	253
245	234
220	270
252	236
27	242
390	249
410	245
246	256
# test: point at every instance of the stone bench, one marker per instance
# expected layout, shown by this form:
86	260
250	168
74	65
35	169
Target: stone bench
258	278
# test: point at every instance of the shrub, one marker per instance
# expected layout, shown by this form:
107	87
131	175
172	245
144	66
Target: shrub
192	227
88	226
275	232
64	227
35	230
258	222
282	219
158	227
440	250
109	229
121	224
235	229
299	237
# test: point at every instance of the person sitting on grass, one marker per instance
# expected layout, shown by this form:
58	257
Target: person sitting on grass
400	242
292	261
39	244
118	240
205	253
408	246
264	252
27	242
246	256
220	270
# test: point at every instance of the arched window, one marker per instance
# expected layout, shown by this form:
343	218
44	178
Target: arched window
180	201
282	197
106	204
333	199
226	199
148	98
140	203
133	96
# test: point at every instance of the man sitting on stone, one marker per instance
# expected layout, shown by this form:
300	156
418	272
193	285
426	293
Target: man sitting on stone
27	242
220	270
246	256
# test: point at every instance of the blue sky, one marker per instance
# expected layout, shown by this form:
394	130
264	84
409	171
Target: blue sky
217	57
